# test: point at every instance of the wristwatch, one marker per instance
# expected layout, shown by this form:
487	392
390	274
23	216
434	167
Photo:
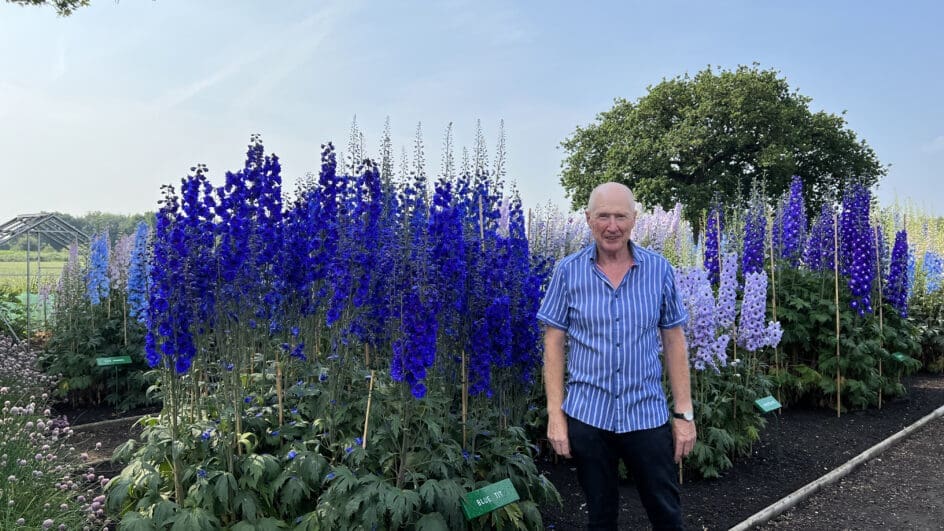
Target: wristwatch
685	415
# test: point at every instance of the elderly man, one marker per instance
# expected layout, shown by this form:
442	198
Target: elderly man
607	306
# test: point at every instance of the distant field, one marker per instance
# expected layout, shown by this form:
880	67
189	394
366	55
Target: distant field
13	274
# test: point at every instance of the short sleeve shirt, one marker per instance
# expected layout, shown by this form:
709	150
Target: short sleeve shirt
613	350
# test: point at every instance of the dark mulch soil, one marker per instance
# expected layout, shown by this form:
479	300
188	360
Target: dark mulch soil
98	430
804	445
903	488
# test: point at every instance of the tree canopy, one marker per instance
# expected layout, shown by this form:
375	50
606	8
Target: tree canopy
691	139
63	7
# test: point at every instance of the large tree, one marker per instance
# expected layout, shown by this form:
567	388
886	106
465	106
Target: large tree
63	7
717	134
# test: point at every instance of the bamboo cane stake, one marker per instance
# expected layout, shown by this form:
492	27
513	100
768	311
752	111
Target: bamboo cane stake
465	403
278	388
773	304
370	392
881	330
836	276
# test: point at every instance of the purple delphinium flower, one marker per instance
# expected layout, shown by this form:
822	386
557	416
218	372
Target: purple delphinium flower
415	350
97	284
726	309
933	267
753	334
857	247
912	269
715	227
755	230
790	229
137	274
707	349
896	283
820	247
118	262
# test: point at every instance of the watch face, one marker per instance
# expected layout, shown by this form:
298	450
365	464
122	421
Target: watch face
688	415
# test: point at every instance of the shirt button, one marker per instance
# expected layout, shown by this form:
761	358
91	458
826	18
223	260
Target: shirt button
617	318
619	344
617	370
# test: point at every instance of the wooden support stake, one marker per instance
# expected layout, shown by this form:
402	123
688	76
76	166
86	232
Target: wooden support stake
836	271
465	404
881	332
370	392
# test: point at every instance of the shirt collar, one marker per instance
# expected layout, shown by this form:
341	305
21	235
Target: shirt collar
634	251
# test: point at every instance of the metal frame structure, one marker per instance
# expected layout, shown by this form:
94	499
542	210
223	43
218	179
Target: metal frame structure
56	230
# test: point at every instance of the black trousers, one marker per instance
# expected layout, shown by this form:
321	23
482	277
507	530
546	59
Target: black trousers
649	456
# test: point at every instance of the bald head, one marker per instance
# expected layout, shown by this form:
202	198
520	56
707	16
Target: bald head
611	192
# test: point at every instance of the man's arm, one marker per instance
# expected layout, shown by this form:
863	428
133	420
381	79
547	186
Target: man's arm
676	366
554	341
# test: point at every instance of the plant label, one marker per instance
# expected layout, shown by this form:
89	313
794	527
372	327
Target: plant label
114	360
767	404
488	498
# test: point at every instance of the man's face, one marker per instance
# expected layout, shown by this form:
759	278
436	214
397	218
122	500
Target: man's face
611	221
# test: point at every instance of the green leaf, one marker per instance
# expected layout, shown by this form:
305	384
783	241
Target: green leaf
402	504
133	521
246	504
294	491
196	519
432	522
164	513
225	487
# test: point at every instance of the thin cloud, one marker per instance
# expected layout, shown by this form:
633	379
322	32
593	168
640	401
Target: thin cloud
284	45
294	49
59	69
935	145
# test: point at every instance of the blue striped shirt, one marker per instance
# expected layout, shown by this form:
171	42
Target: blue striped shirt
613	359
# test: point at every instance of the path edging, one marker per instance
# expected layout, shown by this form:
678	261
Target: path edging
795	497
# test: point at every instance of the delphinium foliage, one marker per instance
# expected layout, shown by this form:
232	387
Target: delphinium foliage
811	300
925	306
725	380
43	481
353	357
92	319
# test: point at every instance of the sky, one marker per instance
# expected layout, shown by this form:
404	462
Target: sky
99	109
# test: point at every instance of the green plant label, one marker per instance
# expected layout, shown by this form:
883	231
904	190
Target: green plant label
900	357
488	498
114	360
767	404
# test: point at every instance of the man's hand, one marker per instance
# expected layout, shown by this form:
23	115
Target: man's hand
557	434
683	433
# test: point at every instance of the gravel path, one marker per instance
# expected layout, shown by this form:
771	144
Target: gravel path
902	488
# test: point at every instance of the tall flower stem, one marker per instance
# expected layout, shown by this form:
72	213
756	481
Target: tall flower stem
175	431
836	272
